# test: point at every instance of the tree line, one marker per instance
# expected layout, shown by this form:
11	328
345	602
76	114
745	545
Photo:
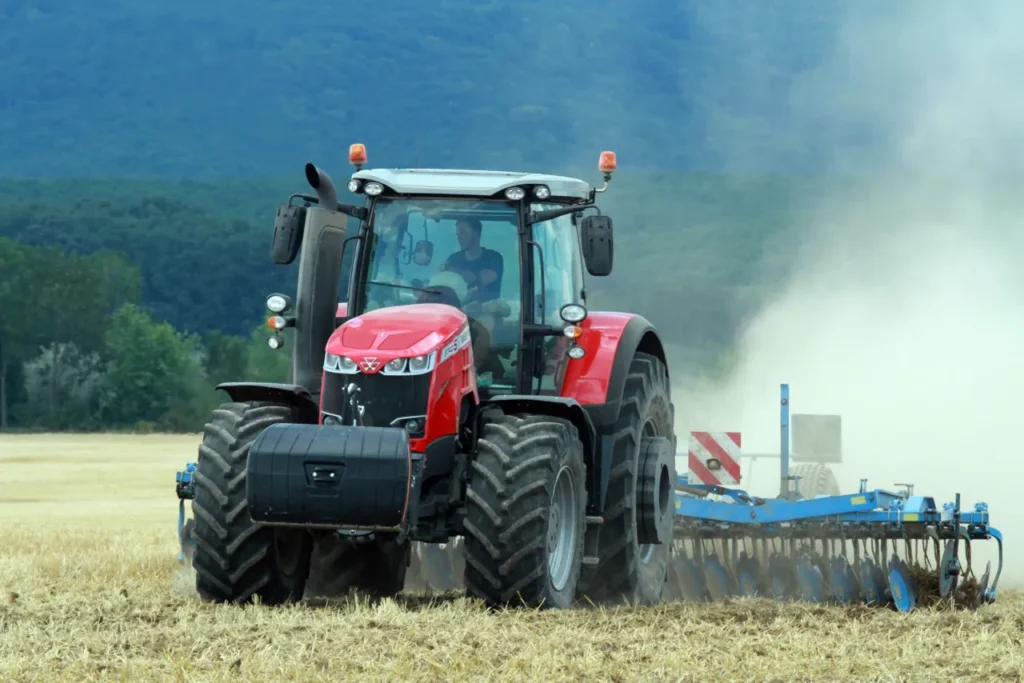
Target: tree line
126	302
79	350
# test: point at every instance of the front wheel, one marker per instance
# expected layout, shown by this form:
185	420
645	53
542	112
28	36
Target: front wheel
526	513
235	558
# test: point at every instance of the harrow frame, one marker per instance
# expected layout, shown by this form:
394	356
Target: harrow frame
727	516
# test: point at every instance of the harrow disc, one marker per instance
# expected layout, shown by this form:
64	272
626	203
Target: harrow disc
949	568
188	543
781	576
981	597
901	585
812	582
748	573
719	583
873	582
690	578
845	587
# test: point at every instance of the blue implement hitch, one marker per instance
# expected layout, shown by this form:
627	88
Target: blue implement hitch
186	489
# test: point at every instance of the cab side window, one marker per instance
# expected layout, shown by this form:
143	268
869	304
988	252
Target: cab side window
559	260
557	281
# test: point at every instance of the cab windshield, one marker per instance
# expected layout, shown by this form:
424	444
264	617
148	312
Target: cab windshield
461	252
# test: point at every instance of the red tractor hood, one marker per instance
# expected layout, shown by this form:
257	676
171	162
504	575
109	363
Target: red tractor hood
397	331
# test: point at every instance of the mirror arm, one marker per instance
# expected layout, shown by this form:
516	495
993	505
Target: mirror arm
531	330
549	214
358	212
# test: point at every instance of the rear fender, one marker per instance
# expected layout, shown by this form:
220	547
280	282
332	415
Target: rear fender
289	394
597	380
561	407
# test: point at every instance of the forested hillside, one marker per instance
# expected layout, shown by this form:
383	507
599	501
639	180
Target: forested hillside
210	88
144	147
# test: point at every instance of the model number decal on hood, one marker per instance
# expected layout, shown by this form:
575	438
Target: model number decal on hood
456	345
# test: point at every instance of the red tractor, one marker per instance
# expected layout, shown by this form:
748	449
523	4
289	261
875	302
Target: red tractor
461	389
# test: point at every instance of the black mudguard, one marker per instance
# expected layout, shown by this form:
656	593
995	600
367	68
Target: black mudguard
330	476
287	394
565	408
555	406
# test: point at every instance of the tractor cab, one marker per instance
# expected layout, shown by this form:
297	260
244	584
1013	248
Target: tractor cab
506	249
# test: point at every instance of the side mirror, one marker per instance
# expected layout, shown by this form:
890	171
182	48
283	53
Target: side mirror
288	227
596	239
423	253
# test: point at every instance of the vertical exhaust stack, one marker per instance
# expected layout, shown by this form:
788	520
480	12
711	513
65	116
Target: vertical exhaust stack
326	194
316	301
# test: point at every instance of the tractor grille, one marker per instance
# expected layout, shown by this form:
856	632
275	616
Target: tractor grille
385	398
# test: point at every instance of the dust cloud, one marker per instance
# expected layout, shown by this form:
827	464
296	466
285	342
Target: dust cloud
905	310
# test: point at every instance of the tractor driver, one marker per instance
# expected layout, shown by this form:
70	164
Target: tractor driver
480	267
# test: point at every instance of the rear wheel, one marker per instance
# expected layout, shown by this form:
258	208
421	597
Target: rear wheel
373	565
236	559
628	570
525	513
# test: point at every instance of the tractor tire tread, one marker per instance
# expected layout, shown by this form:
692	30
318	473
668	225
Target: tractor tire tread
619	573
235	559
505	528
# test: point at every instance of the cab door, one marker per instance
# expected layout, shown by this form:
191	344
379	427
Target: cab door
557	280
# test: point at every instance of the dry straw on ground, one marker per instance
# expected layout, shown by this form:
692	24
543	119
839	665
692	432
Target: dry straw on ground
90	589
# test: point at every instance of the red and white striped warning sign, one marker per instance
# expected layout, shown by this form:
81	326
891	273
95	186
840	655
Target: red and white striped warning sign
715	458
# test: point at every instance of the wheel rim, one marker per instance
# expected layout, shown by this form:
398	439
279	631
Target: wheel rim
646	550
563	525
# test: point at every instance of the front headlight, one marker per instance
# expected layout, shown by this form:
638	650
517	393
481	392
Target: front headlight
397	365
573	313
416	365
342	364
278	303
421	363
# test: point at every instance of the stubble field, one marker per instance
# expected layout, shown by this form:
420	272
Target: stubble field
91	589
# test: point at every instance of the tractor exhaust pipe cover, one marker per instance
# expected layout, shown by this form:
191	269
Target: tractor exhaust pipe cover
326	194
316	301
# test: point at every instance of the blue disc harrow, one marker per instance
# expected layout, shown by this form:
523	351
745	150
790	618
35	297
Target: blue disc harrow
874	547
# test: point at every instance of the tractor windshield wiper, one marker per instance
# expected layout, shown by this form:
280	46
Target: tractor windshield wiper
391	284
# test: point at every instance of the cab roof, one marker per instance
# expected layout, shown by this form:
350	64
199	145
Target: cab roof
469	182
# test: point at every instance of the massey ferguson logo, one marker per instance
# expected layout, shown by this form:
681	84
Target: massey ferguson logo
369	364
